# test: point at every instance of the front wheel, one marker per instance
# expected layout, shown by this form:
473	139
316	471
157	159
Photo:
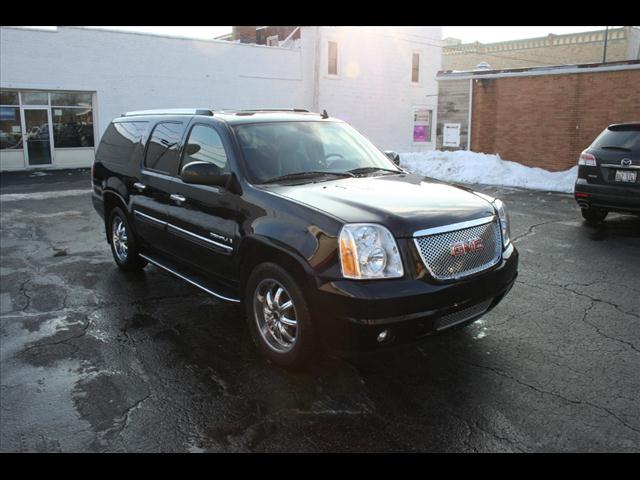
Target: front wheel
123	242
279	317
594	215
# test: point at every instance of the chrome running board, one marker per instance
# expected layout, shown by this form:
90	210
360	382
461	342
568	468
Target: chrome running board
188	280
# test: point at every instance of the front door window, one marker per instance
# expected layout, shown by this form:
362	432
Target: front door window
36	136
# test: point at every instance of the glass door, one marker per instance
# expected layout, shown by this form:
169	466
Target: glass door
37	137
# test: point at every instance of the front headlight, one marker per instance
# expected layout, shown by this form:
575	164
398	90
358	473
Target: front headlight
369	251
504	221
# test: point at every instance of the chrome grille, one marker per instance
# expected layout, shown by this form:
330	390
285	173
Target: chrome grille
460	316
435	249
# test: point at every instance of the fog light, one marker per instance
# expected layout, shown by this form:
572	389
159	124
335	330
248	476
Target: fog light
383	335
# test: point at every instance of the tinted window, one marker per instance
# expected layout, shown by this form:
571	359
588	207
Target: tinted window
627	138
119	142
162	151
204	145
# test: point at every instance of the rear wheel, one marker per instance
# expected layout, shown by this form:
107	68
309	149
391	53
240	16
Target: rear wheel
123	242
279	317
594	215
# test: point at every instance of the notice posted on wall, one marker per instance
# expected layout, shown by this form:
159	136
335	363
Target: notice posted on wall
451	136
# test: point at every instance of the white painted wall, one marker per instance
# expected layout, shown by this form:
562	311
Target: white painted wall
130	71
373	90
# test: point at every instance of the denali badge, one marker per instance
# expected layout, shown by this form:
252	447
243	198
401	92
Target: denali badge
461	248
221	237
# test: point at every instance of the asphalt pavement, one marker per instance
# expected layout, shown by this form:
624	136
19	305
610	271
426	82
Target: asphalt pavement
96	360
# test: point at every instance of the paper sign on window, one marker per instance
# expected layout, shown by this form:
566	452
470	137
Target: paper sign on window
422	125
451	135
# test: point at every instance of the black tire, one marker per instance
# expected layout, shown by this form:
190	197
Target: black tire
594	215
132	261
305	347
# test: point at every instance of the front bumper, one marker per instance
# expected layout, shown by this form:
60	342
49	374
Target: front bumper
350	314
620	198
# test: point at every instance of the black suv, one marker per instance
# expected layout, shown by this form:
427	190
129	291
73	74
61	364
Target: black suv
320	235
609	173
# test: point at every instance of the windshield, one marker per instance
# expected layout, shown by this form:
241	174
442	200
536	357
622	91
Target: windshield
273	150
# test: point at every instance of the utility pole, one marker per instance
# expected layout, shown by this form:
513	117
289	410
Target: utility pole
606	36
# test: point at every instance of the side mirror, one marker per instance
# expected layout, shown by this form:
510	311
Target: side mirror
204	173
192	149
395	158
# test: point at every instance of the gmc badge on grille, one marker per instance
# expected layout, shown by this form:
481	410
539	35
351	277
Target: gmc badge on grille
462	248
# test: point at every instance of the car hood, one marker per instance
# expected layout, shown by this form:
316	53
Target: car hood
404	203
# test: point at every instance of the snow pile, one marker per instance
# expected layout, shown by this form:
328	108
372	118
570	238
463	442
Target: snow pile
469	167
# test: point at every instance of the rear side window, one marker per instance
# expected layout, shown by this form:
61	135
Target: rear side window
121	141
622	138
204	145
162	151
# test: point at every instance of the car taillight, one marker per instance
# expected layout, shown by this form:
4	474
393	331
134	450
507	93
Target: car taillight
587	159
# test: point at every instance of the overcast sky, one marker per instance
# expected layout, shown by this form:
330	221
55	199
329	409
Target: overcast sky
466	34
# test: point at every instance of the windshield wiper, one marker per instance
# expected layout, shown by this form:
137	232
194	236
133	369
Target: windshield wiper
615	147
361	170
303	175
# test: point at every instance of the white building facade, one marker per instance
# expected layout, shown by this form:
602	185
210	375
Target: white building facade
59	89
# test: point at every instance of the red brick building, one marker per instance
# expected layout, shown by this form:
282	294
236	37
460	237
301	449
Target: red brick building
540	117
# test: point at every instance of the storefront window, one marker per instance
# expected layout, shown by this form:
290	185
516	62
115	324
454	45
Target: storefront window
71	114
71	99
7	97
35	98
72	127
10	130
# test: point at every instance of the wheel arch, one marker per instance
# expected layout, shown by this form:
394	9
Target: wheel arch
256	250
111	200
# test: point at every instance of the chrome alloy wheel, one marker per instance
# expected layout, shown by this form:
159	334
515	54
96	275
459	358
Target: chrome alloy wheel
119	239
275	315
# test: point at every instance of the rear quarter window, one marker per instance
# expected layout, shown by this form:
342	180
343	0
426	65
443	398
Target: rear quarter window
121	141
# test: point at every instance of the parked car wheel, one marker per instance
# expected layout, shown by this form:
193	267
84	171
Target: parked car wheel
594	215
123	242
279	317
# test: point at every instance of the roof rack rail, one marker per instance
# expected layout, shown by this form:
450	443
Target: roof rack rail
251	111
171	111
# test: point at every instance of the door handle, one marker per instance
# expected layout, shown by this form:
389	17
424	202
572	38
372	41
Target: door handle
140	186
177	198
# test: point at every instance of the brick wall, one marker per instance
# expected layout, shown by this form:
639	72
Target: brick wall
574	48
541	56
546	121
244	34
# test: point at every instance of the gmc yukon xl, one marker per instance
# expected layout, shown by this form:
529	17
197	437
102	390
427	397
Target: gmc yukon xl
320	236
